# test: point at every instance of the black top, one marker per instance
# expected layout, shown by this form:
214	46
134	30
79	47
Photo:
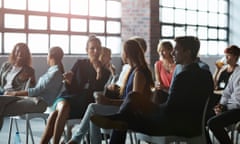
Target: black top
80	92
223	79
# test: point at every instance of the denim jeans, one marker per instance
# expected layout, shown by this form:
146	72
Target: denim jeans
87	126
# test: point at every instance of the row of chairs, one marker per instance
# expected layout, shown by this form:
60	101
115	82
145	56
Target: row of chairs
201	139
137	136
28	129
67	132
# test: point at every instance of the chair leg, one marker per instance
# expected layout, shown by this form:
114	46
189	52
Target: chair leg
10	131
86	139
105	138
236	140
130	136
16	124
27	131
30	130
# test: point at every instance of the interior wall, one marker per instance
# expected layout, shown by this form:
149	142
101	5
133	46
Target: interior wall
234	22
39	63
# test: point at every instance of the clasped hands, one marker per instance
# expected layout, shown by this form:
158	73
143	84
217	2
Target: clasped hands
219	108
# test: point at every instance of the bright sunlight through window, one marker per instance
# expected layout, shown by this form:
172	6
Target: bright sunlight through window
65	23
207	19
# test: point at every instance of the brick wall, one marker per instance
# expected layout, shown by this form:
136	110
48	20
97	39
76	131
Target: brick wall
141	18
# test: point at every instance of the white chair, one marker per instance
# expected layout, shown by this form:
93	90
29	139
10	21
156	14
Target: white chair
107	133
27	117
68	130
201	139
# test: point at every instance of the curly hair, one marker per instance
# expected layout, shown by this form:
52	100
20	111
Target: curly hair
24	50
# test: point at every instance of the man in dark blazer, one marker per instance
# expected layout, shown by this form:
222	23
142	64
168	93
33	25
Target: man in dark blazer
181	115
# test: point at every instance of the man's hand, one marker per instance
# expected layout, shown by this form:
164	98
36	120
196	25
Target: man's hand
219	108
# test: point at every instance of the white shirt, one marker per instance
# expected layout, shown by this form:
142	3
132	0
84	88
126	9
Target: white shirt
10	76
231	94
125	70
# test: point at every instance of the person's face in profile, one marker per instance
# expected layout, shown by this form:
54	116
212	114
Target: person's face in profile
231	59
178	54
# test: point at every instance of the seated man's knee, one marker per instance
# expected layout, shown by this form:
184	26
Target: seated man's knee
212	123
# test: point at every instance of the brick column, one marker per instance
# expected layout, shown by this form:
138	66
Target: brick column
141	18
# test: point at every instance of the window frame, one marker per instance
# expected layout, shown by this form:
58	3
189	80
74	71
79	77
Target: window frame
185	25
26	30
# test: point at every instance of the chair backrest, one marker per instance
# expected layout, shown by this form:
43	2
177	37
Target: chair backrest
204	120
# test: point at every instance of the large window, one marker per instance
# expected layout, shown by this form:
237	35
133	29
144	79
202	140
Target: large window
207	19
66	23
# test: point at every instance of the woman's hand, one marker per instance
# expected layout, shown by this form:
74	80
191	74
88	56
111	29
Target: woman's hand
159	86
67	77
10	93
113	87
101	99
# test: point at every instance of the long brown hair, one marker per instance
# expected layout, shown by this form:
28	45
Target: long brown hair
135	54
24	49
57	54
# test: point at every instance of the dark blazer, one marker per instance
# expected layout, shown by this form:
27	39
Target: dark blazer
187	98
19	80
182	114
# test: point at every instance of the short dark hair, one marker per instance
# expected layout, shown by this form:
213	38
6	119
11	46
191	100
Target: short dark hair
233	49
189	42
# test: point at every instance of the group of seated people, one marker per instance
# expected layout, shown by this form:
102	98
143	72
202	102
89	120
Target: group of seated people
171	105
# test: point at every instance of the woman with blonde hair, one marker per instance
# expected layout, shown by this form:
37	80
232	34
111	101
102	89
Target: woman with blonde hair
105	59
164	69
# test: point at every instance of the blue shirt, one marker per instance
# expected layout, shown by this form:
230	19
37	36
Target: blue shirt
48	85
179	68
129	85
